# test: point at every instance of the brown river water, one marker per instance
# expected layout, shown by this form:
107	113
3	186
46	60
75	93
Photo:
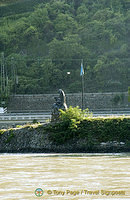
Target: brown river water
65	176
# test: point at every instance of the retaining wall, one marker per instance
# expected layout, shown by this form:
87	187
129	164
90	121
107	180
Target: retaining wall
93	101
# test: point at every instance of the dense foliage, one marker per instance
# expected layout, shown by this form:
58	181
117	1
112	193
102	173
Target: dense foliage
43	40
75	124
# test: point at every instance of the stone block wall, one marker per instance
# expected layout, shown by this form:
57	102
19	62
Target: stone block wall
95	101
44	102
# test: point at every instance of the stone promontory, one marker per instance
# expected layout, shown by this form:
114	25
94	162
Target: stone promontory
35	138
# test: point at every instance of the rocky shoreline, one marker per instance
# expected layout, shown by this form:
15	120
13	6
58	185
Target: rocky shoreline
31	140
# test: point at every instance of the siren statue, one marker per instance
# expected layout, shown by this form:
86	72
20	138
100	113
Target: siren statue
59	104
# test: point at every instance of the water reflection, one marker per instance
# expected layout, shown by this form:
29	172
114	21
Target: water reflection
22	174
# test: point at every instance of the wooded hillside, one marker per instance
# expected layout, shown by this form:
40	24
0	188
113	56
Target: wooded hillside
43	40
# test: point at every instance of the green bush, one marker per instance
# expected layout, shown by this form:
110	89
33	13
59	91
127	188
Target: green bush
68	125
73	116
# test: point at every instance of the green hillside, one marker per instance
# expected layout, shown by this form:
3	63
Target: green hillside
43	40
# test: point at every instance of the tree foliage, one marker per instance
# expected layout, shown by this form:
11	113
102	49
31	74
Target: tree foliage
48	39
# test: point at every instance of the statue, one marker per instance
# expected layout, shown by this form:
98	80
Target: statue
59	104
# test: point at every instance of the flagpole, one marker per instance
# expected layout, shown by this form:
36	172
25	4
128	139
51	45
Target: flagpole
82	82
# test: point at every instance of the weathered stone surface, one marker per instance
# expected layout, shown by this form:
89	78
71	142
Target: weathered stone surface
27	140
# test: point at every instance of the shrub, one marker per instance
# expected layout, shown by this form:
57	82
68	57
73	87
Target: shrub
68	125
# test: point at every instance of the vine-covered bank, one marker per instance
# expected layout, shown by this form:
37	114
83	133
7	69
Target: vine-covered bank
76	131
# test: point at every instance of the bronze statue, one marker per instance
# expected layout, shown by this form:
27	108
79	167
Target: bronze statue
59	104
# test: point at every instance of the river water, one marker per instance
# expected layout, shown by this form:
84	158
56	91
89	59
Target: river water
65	176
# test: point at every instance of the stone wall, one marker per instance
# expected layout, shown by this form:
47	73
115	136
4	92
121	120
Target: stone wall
93	101
32	140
